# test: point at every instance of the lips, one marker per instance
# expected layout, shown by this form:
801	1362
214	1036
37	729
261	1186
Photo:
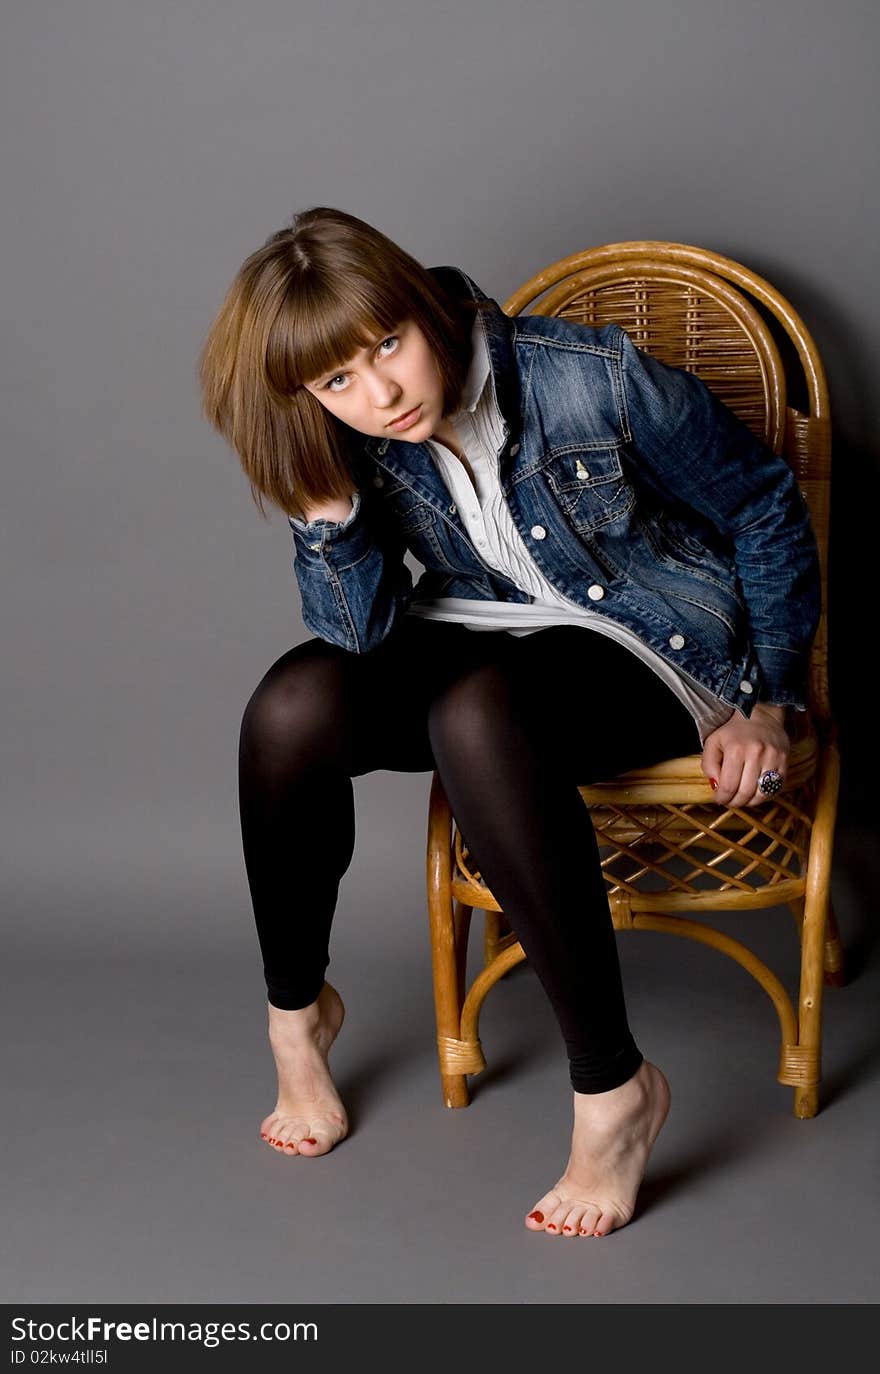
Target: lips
404	421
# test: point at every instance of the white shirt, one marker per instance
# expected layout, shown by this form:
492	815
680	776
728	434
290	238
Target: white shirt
489	524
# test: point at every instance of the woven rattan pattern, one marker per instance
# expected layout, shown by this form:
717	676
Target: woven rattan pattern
688	849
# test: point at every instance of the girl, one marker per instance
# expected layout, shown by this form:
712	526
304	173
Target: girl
645	579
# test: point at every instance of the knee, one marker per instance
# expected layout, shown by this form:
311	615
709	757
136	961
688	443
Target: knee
470	712
296	703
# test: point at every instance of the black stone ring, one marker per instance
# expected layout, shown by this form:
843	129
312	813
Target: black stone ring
771	781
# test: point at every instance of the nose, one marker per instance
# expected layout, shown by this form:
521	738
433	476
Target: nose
382	390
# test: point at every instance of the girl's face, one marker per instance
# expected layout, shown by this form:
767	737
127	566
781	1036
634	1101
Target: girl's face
395	375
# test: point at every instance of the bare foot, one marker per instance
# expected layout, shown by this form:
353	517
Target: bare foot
612	1139
309	1118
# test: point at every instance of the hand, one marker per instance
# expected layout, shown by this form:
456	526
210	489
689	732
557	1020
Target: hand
740	750
338	510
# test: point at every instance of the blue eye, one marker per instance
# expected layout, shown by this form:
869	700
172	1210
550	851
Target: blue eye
340	376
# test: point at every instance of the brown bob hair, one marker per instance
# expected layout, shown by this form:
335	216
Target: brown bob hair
300	306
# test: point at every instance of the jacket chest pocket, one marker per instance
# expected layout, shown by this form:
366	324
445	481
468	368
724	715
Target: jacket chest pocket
434	541
405	509
589	485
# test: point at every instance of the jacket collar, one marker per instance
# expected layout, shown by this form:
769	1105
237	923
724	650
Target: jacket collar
500	333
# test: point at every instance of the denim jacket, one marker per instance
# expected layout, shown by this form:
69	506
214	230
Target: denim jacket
639	495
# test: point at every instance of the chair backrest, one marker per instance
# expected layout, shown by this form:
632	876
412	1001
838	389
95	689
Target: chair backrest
695	309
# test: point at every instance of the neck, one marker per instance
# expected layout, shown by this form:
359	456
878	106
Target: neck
446	434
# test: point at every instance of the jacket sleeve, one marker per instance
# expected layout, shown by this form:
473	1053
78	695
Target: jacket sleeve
697	450
352	577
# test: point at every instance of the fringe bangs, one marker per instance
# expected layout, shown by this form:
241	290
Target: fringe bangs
318	330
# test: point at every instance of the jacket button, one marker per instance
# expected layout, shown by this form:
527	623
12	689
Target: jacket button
676	641
378	480
538	532
384	444
582	472
595	593
514	450
452	510
746	687
314	546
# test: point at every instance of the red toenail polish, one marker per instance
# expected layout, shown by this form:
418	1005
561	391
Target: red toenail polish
263	1135
583	1232
536	1216
310	1140
566	1228
550	1226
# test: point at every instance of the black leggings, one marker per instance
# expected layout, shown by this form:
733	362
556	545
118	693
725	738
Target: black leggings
512	725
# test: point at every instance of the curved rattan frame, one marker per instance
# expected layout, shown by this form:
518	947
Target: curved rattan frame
696	309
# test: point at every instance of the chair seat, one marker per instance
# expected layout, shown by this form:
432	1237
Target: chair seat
691	853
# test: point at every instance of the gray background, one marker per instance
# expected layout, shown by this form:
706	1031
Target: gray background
148	148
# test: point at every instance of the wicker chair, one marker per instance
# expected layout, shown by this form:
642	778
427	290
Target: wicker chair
697	310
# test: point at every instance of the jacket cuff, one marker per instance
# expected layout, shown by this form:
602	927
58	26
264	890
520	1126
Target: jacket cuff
339	542
785	676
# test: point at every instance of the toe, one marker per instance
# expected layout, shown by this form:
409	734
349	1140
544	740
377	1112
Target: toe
293	1135
280	1135
542	1211
572	1222
324	1134
587	1217
604	1225
557	1219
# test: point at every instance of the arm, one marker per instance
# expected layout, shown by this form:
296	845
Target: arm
352	578
696	449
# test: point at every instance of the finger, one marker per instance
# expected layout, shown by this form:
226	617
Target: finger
778	766
730	775
712	760
747	785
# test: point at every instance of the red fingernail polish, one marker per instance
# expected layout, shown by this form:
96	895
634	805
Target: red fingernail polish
536	1216
713	782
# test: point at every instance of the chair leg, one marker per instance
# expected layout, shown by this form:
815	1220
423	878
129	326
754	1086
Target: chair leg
806	1096
834	970
817	906
455	1089
448	999
835	967
448	934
